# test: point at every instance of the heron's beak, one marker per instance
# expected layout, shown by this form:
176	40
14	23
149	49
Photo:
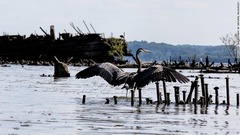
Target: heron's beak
147	51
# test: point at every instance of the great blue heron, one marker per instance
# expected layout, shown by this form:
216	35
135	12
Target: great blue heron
109	72
116	76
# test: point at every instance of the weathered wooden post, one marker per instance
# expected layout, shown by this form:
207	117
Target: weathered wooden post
237	99
164	90
227	90
191	90
216	95
158	96
140	96
176	90
206	94
132	97
168	99
196	93
223	102
203	89
84	99
184	96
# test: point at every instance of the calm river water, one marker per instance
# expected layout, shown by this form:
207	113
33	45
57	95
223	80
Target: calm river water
31	104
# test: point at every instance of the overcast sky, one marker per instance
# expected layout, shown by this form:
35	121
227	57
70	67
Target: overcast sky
171	21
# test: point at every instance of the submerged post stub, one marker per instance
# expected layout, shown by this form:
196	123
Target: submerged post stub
147	101
107	101
115	99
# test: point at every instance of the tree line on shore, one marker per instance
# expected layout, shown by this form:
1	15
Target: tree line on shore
168	52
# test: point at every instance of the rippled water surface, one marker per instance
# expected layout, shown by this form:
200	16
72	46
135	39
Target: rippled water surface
31	104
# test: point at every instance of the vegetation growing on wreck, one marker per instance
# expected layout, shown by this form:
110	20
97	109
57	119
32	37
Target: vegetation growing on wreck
118	48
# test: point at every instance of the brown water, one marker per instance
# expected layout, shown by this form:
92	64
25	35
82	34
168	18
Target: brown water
31	104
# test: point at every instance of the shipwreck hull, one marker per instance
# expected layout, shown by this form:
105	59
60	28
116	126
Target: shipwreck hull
82	46
96	50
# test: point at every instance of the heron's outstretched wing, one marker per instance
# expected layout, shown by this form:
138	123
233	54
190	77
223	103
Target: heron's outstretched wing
157	73
109	72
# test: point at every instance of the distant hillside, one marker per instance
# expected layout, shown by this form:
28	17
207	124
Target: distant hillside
163	51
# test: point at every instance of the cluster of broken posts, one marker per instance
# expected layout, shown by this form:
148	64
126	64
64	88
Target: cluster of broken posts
203	100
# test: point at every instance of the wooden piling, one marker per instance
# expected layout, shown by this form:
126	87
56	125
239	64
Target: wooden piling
227	90
216	95
196	93
140	97
164	90
176	90
237	99
206	94
84	99
184	96
132	97
203	89
158	96
191	90
168	98
190	93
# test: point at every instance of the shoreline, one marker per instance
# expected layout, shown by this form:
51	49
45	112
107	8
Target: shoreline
85	62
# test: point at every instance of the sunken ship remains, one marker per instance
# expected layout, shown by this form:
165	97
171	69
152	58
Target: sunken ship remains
91	46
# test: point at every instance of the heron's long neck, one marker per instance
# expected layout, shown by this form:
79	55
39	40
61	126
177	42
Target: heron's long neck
138	62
